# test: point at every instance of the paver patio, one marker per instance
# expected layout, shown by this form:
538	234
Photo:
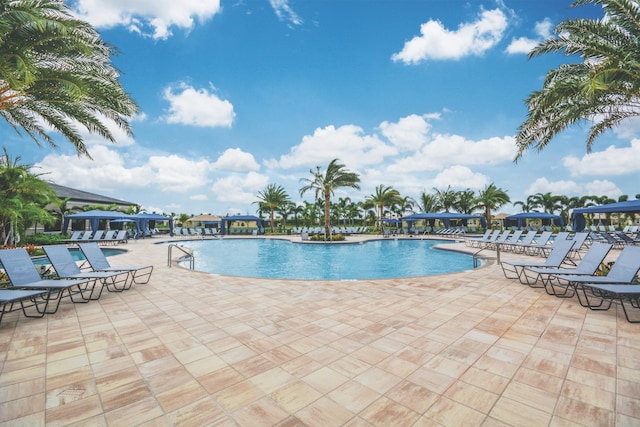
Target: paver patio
189	348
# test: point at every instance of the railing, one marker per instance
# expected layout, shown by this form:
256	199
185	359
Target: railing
188	253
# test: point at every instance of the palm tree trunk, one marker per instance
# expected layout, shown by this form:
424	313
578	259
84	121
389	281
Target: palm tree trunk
327	215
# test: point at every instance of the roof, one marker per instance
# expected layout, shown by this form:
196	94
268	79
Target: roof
86	197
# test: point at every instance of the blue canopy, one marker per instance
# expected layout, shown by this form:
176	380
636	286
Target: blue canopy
520	218
226	222
579	222
445	217
143	220
94	218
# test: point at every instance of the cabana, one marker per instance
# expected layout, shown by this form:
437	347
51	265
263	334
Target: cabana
445	217
520	219
228	220
147	221
94	217
630	206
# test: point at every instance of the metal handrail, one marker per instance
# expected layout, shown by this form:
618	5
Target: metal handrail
187	251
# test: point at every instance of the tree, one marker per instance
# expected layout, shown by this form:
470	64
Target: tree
446	198
56	72
23	198
603	89
490	198
548	202
335	176
383	197
465	201
61	208
429	203
272	198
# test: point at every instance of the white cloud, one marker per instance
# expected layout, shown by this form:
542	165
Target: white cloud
446	150
460	177
523	45
543	185
239	188
409	133
603	188
199	197
234	159
285	12
175	173
436	42
197	107
628	128
151	18
110	174
347	143
612	161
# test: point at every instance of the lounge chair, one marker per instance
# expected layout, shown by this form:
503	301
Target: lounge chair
623	271
587	266
540	242
66	267
97	236
18	299
622	293
86	236
109	236
515	269
503	238
513	239
75	236
139	274
520	246
23	274
121	237
479	242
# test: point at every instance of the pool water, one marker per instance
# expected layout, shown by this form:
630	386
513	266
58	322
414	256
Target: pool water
281	259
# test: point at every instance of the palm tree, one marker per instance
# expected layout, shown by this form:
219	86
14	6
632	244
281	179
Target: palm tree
446	198
383	197
23	198
465	201
56	72
603	89
336	176
61	208
548	202
429	203
490	198
272	198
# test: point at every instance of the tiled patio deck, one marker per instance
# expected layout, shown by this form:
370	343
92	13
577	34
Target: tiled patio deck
465	349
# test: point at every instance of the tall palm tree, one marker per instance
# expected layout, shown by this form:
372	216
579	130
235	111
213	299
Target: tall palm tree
548	202
56	72
490	198
335	176
383	196
603	89
272	198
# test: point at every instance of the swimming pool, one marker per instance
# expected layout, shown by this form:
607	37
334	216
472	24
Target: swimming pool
281	259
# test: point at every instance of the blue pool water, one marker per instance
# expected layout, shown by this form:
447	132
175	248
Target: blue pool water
78	256
281	259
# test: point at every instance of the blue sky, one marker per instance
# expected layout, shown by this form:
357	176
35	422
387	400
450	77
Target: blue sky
413	94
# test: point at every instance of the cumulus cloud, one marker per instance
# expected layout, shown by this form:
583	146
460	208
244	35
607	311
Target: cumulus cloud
285	12
110	174
438	43
612	161
602	188
524	44
543	185
446	150
150	18
197	107
409	133
239	188
460	177
347	143
234	159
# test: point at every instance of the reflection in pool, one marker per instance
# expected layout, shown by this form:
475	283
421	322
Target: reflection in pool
281	259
